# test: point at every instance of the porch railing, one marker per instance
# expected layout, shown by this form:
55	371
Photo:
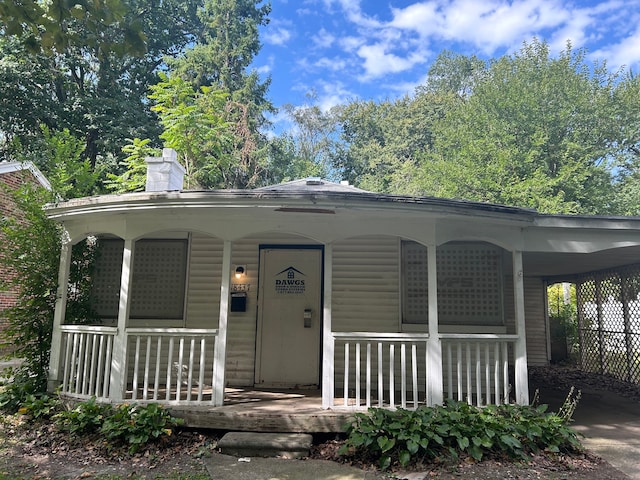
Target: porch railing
476	367
380	369
163	365
171	364
86	364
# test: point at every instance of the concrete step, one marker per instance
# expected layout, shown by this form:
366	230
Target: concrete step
252	444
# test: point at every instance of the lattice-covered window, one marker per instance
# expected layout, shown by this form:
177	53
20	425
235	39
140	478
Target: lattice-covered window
159	276
415	286
470	280
470	284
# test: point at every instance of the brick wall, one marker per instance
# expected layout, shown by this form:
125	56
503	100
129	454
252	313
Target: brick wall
8	208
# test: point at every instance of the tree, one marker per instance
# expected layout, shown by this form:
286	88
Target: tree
535	131
194	125
308	148
382	143
88	66
627	160
220	58
31	249
134	176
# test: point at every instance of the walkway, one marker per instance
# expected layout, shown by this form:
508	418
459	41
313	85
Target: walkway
610	424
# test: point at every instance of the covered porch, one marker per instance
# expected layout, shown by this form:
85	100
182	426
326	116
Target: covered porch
370	300
405	350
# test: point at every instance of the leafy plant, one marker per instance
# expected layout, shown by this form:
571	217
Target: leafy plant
456	428
40	407
132	424
136	425
86	417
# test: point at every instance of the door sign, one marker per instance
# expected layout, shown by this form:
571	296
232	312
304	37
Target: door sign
290	281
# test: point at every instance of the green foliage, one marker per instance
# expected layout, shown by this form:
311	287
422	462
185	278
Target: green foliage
136	425
536	131
65	166
130	424
85	418
220	59
40	407
195	126
134	177
562	306
24	387
382	143
457	429
86	66
31	249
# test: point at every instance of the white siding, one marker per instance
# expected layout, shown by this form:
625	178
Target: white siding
534	313
366	284
204	277
536	326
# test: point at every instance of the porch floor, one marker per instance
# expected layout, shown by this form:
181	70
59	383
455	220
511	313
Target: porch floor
271	410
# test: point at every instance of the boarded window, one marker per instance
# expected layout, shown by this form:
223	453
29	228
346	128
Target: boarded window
470	281
159	276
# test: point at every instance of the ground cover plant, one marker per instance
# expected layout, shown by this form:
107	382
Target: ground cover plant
129	425
456	429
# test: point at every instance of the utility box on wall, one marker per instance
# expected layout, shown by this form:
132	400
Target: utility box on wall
239	302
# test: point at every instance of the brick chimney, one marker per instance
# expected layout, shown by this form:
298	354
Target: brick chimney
164	173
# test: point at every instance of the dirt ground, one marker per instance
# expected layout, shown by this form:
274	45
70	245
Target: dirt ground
44	453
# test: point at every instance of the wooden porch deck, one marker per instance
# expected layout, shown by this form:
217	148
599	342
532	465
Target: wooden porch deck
254	410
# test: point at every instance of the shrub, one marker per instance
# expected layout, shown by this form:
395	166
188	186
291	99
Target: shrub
130	424
456	428
40	407
136	425
85	418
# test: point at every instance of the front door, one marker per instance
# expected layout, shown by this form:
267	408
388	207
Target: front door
289	317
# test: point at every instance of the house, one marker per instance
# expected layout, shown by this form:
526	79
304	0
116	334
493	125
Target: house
370	299
14	175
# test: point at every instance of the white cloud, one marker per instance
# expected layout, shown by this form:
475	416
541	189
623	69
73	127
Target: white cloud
332	94
334	64
625	53
365	40
267	67
324	39
277	36
379	62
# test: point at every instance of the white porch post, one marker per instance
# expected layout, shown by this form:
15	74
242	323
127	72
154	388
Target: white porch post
55	356
328	342
434	345
118	376
520	350
221	339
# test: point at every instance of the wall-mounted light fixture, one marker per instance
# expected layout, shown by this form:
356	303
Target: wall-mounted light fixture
240	271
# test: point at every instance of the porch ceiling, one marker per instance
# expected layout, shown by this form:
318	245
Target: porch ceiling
563	266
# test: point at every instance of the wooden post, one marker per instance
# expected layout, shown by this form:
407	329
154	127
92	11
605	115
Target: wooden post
435	390
328	342
118	377
520	353
55	356
220	358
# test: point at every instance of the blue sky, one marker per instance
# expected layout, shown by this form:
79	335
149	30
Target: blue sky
376	49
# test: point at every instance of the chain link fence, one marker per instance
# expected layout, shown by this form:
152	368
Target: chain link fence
609	322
